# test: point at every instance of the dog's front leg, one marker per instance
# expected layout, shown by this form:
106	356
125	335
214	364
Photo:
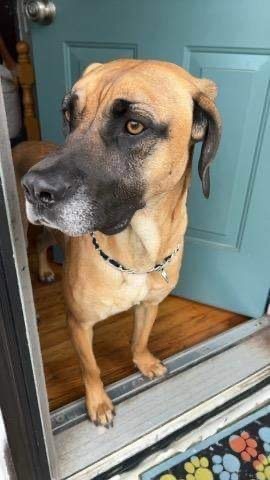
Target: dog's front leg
144	318
99	405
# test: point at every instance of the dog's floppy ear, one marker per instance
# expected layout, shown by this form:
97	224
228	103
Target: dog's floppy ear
206	128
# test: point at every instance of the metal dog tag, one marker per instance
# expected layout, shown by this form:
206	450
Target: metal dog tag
164	275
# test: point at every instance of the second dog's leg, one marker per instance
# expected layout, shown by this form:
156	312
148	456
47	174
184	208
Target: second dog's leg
45	272
144	317
99	405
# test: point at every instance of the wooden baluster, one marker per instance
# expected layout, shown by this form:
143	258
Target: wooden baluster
26	80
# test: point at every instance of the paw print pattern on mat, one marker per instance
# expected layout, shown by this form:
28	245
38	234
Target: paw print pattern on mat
244	445
227	467
262	465
264	434
197	469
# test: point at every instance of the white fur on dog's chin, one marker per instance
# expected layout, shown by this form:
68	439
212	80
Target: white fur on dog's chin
30	213
76	215
73	220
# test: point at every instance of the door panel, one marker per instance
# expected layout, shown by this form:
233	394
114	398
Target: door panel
226	261
243	83
218	228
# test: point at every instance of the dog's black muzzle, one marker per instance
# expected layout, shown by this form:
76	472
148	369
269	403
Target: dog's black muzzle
76	195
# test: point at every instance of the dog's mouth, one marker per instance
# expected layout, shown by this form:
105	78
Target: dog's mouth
107	230
115	228
76	223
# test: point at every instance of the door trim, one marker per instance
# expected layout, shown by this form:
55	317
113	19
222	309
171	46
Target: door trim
23	394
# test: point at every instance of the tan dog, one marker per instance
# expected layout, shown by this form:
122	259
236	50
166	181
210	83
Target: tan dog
123	173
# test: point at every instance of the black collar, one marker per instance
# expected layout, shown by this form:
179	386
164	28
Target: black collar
159	267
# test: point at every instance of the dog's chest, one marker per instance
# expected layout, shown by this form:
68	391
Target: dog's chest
131	291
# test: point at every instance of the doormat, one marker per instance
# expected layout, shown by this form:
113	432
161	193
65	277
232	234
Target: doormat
239	452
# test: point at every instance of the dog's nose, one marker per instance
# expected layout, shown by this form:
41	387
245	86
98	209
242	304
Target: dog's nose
44	188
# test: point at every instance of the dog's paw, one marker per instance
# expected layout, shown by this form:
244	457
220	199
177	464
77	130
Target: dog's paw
100	408
150	366
47	277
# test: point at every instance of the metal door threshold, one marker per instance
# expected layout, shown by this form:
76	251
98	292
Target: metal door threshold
201	379
75	412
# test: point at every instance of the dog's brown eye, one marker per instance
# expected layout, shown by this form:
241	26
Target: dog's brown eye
134	128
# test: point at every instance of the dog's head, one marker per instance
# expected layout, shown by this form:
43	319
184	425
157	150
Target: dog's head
131	127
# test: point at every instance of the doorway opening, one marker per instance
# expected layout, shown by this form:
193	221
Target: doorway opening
192	338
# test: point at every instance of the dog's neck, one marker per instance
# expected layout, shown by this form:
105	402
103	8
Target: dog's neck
153	233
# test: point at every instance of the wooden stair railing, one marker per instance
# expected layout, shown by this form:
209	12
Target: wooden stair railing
26	79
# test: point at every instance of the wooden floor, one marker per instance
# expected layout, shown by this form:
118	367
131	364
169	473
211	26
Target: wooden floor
181	323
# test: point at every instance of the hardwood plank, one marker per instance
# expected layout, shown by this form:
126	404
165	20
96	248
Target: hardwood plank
180	324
